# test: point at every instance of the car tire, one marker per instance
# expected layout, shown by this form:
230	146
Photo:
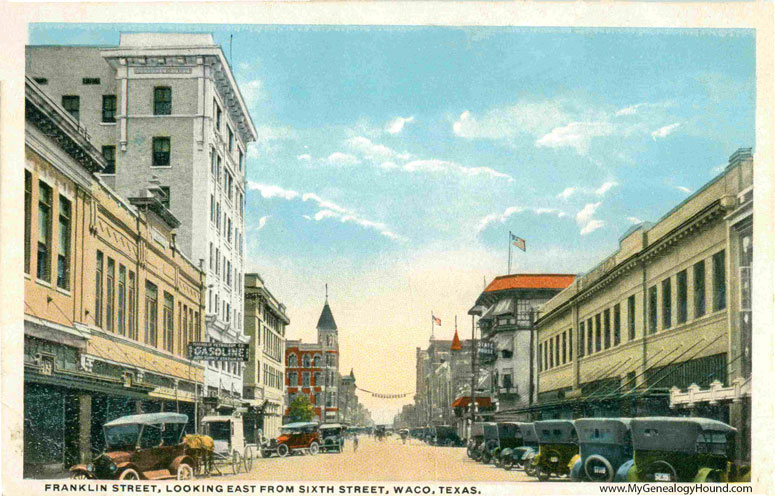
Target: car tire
283	450
543	474
79	475
314	448
508	463
609	470
185	472
129	474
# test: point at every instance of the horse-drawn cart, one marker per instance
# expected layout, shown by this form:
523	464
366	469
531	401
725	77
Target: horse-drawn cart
229	446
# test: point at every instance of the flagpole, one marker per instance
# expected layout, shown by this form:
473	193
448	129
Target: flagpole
432	325
509	273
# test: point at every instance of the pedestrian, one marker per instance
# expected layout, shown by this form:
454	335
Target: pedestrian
355	443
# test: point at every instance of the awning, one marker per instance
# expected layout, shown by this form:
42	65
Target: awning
482	401
488	314
504	307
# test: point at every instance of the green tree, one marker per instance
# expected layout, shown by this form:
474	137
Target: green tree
301	409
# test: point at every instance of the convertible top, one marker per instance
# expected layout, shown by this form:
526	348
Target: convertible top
217	418
150	418
674	433
555	431
603	430
298	425
324	426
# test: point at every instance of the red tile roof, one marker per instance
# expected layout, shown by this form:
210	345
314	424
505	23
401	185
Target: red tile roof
456	346
531	281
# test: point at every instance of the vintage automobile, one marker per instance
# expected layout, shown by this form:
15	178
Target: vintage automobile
333	437
404	433
296	437
230	448
444	435
145	446
605	447
475	440
682	449
557	447
515	451
491	444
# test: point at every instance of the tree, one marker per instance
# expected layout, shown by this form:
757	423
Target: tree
301	409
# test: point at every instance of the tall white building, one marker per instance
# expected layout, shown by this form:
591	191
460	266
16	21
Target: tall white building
165	107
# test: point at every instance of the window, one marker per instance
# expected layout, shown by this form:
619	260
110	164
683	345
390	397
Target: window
699	289
581	339
589	336
108	108
27	219
667	295
98	290
217	261
212	164
218	217
241	159
546	355
45	198
681	290
41	80
293	378
109	154
228	230
168	318
305	379
570	345
217	116
162	101
719	282
231	138
165	200
151	313
607	328
211	255
292	360
564	349
72	103
617	325
91	80
305	360
557	349
652	307
218	170
110	294
161	151
598	341
63	250
121	301
131	299
229	183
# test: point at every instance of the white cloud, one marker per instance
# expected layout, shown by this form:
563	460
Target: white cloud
397	125
252	91
381	228
631	110
325	204
342	159
304	157
575	135
266	137
568	192
436	165
585	218
634	220
664	131
683	188
388	165
503	123
372	151
605	187
485	221
262	222
272	191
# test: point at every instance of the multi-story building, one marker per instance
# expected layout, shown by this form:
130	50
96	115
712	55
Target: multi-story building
348	399
110	301
670	310
166	105
508	307
265	321
313	369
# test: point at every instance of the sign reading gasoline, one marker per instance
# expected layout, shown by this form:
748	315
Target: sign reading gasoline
218	352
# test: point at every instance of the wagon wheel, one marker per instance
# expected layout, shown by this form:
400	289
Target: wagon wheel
248	458
236	461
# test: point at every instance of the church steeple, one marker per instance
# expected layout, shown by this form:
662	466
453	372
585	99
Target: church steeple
326	321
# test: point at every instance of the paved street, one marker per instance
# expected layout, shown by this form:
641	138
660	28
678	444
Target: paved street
389	460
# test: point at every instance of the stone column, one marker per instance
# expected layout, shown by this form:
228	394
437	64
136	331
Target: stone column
84	427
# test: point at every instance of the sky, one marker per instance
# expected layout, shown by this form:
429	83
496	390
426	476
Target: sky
392	162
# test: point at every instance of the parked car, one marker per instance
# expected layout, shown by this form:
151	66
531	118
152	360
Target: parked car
333	437
146	446
605	447
445	435
475	440
682	449
296	437
517	448
491	444
557	447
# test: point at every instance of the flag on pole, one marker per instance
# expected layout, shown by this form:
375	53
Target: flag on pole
518	242
436	320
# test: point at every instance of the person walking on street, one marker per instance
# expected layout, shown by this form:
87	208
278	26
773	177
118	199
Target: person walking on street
355	443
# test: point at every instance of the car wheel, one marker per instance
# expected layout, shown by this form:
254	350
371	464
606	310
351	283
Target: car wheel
79	475
543	474
507	463
283	450
592	467
314	448
185	472
129	474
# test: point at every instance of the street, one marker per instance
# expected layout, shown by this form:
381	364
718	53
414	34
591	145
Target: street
389	460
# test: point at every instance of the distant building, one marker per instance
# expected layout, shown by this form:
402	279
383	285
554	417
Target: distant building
265	321
167	106
348	399
666	315
313	369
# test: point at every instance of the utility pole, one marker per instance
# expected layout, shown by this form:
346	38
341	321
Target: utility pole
472	404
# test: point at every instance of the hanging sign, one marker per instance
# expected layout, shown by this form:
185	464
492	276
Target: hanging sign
218	352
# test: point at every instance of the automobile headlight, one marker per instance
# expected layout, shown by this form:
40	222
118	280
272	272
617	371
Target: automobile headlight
90	467
112	467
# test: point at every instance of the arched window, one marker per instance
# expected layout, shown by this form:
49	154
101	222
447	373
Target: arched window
317	361
306	361
292	360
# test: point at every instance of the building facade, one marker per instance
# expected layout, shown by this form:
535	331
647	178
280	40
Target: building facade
670	310
312	369
507	309
265	321
166	105
110	301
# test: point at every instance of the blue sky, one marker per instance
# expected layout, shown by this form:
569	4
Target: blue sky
393	161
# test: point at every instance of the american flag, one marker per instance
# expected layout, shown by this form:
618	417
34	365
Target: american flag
436	320
518	242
